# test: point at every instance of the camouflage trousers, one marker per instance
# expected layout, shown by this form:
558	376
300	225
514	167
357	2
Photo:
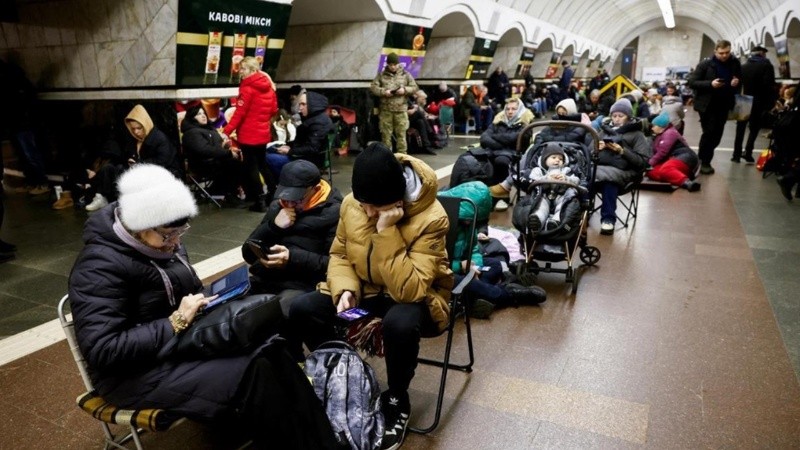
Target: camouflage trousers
396	123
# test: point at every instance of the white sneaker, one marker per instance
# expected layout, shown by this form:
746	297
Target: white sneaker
98	202
607	228
501	206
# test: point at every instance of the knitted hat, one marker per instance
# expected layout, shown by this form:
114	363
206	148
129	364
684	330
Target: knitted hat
569	105
662	120
623	106
378	176
553	148
150	196
392	58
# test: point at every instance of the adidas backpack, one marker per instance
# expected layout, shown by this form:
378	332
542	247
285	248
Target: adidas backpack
350	394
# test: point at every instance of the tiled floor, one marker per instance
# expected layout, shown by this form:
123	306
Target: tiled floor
686	334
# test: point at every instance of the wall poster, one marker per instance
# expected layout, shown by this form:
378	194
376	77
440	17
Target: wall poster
782	51
525	62
215	35
552	68
410	42
480	59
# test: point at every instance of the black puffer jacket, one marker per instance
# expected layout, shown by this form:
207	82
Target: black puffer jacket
202	145
309	242
705	96
120	304
621	168
312	134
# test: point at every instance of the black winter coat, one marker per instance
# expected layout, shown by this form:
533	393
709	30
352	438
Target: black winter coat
758	80
309	242
705	96
120	305
312	135
157	149
202	145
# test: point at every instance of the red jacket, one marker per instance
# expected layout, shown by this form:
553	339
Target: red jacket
255	106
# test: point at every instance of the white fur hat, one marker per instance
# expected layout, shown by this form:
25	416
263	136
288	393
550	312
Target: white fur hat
569	105
150	196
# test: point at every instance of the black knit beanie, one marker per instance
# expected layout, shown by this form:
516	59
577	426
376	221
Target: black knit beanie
378	176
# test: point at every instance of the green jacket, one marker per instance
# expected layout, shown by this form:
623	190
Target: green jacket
391	81
478	192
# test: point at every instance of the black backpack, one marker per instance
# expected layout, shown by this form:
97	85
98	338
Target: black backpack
472	165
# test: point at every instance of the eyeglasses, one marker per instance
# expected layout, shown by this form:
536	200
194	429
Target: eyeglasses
173	234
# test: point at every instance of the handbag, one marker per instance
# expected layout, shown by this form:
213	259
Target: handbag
235	327
742	108
763	158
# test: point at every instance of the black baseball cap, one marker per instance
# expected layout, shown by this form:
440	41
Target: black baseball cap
759	48
296	177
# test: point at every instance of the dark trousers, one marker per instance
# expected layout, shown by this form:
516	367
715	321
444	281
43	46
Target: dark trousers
31	158
313	317
754	123
255	164
418	122
713	123
608	209
485	287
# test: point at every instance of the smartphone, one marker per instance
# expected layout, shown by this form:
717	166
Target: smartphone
353	314
258	250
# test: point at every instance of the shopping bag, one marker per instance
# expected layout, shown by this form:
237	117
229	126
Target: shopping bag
741	110
765	156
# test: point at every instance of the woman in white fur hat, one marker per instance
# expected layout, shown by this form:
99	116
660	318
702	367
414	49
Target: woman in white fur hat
132	290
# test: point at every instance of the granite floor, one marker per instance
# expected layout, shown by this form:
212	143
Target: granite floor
685	335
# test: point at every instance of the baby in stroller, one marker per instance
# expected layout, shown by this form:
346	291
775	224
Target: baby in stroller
553	173
553	166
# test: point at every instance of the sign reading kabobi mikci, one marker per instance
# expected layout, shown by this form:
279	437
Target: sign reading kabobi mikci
214	36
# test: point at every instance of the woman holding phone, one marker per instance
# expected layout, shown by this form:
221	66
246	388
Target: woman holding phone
132	290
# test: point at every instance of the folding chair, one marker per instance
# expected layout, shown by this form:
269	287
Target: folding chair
457	306
200	187
631	205
138	421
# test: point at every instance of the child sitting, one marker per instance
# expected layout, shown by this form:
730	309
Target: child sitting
552	167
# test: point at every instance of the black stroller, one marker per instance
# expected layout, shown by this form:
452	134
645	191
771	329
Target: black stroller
562	242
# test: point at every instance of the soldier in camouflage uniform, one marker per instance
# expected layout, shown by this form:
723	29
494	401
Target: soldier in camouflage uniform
393	85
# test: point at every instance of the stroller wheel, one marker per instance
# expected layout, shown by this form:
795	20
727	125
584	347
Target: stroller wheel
590	255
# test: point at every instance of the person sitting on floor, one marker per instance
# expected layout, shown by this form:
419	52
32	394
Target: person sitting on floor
420	121
210	156
673	161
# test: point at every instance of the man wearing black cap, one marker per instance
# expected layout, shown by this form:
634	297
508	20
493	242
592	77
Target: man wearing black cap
758	80
388	258
393	86
295	235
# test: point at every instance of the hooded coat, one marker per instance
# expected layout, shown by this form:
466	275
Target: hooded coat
670	144
155	148
502	133
255	106
120	300
312	135
408	261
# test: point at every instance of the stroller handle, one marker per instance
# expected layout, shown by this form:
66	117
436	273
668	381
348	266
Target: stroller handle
558	124
580	189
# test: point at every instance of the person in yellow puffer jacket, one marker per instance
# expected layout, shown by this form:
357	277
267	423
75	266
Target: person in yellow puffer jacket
393	86
389	258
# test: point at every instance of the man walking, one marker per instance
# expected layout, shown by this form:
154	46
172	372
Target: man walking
758	80
392	86
714	81
566	79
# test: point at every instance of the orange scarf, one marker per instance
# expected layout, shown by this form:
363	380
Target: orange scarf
320	196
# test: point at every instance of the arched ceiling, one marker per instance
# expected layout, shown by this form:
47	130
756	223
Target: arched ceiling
608	21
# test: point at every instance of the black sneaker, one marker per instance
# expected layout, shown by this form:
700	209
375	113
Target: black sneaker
786	183
749	159
481	309
706	169
736	159
396	409
526	295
